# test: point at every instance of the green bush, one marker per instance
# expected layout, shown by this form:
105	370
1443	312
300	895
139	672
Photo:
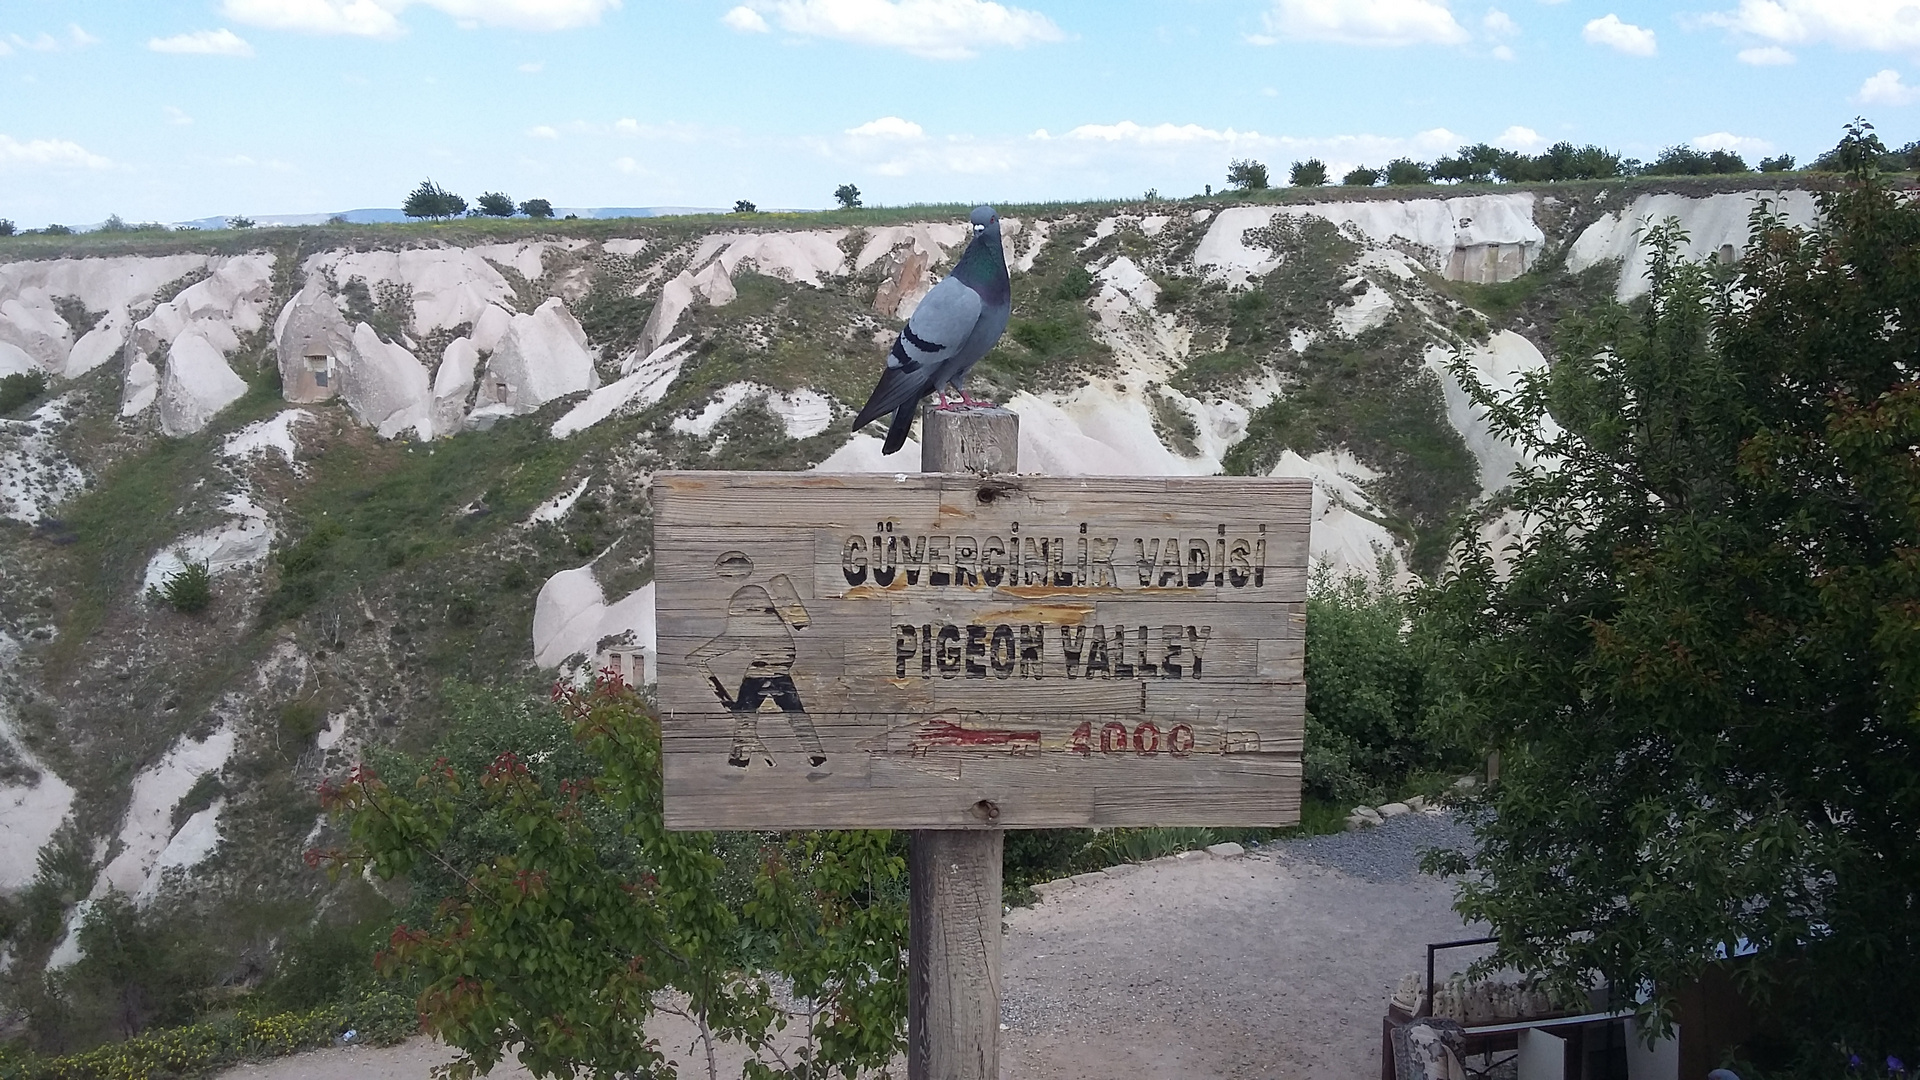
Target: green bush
495	204
1076	284
1686	161
188	590
430	200
847	196
1042	337
377	1018
1309	173
537	209
560	826
1374	700
1361	176
6	227
1247	175
1402	171
21	389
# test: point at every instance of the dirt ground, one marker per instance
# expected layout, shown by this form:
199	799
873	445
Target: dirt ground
1258	967
1271	965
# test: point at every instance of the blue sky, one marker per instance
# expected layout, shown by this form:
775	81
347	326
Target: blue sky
174	110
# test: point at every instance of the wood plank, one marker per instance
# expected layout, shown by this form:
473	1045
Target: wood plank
1073	651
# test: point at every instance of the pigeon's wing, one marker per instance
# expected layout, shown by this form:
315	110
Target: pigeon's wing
934	334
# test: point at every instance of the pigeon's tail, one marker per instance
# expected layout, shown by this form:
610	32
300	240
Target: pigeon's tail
902	423
897	387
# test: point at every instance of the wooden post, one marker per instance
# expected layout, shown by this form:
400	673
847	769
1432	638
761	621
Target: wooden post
953	937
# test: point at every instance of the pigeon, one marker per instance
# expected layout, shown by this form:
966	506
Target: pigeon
947	334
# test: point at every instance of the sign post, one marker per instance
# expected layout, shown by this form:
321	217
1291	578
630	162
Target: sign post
953	913
966	650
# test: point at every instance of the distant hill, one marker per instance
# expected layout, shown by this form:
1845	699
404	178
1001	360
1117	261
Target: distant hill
385	215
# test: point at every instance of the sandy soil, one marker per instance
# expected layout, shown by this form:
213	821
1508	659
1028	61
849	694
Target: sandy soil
1272	965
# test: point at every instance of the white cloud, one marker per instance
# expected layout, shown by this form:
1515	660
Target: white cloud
1503	52
1726	140
176	116
1499	23
365	18
542	131
221	42
1623	36
936	29
1362	22
527	14
888	127
1520	138
49	153
380	18
76	38
1886	88
1882	25
1128	131
533	67
746	20
1766	56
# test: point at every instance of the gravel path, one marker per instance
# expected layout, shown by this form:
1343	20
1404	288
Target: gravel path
1272	965
1276	964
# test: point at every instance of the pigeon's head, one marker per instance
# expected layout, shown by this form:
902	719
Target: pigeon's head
986	221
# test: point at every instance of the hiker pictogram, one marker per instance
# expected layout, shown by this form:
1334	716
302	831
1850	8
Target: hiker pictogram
761	620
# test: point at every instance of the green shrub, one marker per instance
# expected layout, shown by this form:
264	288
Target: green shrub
847	196
188	590
1402	171
1686	161
1782	163
204	792
20	389
376	1018
1309	173
1042	337
744	206
6	227
1247	175
301	720
1374	702
537	209
495	204
1076	284
430	200
1361	176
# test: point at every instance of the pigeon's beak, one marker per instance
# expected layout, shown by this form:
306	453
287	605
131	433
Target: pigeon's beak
978	229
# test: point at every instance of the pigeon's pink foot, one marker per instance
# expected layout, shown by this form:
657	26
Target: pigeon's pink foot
945	405
976	403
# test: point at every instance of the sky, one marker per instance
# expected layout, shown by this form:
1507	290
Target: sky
170	110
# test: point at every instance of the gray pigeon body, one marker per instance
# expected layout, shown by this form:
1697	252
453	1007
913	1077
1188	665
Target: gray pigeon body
957	323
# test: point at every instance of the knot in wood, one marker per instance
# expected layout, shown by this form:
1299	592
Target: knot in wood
987	810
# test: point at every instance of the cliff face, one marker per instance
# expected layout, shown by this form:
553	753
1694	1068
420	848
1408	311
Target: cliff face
407	459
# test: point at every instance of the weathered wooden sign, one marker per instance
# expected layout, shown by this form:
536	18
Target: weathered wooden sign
939	651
